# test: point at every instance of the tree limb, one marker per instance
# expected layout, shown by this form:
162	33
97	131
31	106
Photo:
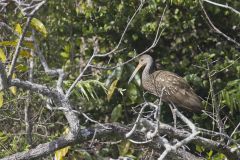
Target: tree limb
3	77
116	130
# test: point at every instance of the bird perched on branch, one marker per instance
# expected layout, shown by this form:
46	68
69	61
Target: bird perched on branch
167	85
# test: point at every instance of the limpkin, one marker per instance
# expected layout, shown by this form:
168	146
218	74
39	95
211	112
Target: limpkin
172	88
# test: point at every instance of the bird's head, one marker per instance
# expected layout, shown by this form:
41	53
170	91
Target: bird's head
143	60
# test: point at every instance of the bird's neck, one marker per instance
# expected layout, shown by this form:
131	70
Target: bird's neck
149	68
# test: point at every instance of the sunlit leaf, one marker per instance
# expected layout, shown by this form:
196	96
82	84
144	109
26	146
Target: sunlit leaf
116	113
199	148
18	29
8	43
21	68
83	91
61	153
230	95
13	90
64	54
39	26
3	137
1	99
87	88
2	56
210	153
28	44
67	48
25	54
125	148
111	89
90	90
218	156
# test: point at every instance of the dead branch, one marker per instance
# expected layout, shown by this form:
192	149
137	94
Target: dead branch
119	131
223	6
215	28
3	77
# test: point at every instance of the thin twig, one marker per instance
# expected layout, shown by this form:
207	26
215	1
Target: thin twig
132	59
136	122
233	132
124	32
3	77
223	6
95	54
138	142
27	107
68	93
215	106
226	66
43	60
94	121
156	39
186	140
215	28
17	50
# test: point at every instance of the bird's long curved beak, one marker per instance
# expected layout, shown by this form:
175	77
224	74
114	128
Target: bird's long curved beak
135	72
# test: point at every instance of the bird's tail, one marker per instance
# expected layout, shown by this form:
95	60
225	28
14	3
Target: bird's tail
192	102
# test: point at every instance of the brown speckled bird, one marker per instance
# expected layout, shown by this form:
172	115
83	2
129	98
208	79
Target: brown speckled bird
174	89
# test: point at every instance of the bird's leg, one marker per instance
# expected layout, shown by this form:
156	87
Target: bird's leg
172	107
157	111
159	108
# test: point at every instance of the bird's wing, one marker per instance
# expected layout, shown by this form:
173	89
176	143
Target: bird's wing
171	82
176	90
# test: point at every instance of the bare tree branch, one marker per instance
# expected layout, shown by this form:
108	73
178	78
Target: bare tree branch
116	130
59	98
44	90
156	39
223	6
119	131
42	149
3	77
68	93
215	28
17	50
124	32
206	143
27	107
95	53
43	60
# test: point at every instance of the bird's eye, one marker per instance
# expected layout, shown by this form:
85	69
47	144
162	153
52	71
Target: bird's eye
141	60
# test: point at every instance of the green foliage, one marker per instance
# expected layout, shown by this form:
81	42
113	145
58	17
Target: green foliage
87	89
21	68
231	95
1	99
65	31
116	113
111	89
3	137
2	56
39	26
3	140
126	149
